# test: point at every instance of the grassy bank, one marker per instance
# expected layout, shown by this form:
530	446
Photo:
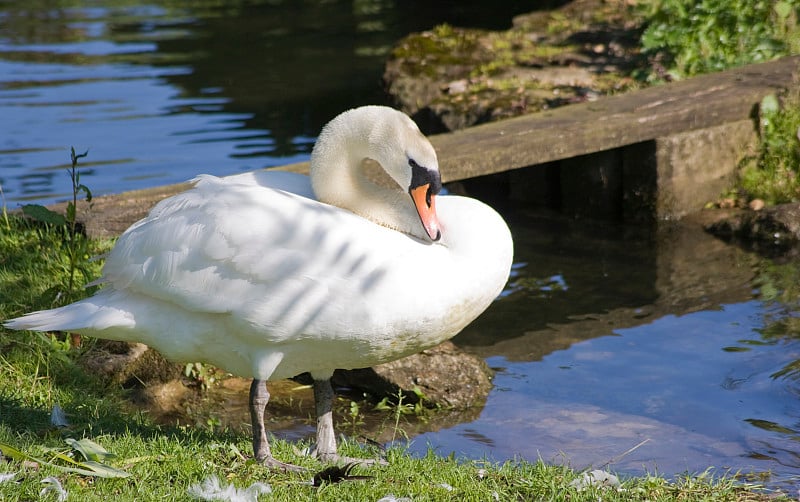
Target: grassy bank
135	459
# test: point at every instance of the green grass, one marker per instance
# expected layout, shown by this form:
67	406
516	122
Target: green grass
773	174
39	371
164	464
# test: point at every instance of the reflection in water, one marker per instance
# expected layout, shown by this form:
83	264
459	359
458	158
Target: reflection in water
685	375
161	92
663	382
475	436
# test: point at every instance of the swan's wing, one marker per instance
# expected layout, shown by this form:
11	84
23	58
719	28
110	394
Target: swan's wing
273	260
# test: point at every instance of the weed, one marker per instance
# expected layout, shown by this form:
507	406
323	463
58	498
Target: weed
203	374
399	408
76	244
355	417
773	175
4	210
76	247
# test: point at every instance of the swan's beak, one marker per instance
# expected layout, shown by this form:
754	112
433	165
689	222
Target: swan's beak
425	202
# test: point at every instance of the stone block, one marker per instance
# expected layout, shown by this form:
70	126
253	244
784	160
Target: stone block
695	167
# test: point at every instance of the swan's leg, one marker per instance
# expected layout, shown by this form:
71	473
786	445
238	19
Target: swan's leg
326	437
259	397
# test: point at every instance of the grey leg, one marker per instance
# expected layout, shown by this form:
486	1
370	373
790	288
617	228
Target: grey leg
259	397
326	437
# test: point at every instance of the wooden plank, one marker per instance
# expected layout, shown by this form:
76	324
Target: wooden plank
608	123
611	122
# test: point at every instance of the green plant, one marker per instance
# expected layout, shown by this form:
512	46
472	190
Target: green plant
399	407
689	37
76	244
774	173
4	209
203	374
355	417
76	248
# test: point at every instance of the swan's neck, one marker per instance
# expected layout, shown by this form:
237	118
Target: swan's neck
339	165
352	189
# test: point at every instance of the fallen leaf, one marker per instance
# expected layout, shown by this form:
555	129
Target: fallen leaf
90	450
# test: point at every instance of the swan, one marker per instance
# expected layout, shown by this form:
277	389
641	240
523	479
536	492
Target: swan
271	274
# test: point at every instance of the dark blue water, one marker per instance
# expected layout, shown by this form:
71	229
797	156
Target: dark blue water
161	92
693	391
667	342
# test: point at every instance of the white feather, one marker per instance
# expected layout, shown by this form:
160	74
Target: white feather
212	489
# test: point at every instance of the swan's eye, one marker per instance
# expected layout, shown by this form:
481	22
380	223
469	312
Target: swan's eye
423	176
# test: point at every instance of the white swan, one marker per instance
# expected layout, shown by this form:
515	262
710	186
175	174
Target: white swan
257	275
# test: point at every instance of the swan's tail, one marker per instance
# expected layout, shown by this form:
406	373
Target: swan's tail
91	314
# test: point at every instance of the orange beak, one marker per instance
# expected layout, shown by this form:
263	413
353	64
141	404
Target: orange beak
425	202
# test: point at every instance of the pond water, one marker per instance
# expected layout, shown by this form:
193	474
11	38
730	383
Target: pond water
638	349
159	92
661	342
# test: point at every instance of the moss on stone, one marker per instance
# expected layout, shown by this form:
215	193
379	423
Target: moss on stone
466	76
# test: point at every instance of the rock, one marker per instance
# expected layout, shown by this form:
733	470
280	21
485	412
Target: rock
450	78
130	364
772	231
445	375
165	402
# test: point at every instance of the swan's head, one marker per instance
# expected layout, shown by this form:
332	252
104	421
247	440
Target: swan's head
409	158
390	138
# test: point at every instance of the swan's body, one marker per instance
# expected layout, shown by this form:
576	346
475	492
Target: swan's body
253	274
